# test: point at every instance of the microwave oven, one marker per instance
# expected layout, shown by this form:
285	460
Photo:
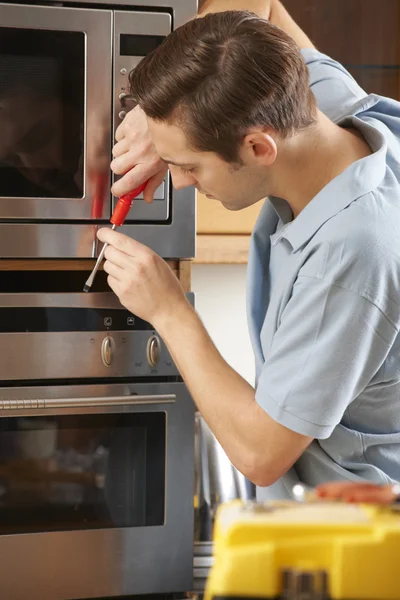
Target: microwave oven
64	78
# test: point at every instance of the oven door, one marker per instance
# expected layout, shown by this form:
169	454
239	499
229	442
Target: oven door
56	110
96	490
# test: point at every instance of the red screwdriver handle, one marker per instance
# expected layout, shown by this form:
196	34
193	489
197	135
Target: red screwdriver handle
124	205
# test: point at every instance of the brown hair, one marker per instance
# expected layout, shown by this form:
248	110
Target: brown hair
222	74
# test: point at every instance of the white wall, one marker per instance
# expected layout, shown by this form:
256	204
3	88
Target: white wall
221	303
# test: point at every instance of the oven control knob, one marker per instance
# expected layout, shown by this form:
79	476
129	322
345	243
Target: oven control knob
107	351
153	351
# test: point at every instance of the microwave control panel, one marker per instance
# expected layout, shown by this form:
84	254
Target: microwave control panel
135	36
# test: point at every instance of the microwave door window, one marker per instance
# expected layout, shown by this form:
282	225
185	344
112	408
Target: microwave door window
42	92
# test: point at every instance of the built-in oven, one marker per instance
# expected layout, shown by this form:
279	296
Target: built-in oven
96	452
64	89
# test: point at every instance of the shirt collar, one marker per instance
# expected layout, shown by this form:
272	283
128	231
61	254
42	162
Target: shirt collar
358	179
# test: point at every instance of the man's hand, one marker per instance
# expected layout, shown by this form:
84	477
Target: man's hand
347	491
262	8
135	157
142	280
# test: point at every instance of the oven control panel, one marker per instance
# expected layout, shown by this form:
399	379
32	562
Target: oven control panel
79	342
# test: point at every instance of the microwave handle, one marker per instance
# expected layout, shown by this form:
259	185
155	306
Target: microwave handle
92	402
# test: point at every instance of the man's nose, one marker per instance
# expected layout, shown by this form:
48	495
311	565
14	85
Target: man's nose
181	180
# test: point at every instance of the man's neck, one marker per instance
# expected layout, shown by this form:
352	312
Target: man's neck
310	160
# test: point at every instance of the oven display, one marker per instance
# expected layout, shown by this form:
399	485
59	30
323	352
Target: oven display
100	471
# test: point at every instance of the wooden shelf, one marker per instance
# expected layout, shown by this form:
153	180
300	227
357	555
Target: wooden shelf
222	249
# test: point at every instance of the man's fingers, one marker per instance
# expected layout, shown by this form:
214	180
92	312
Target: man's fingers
356	492
114	270
124	162
121	242
374	494
334	489
132	179
114	284
120	132
152	185
117	257
120	148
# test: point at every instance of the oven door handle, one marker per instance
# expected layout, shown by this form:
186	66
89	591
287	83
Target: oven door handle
91	402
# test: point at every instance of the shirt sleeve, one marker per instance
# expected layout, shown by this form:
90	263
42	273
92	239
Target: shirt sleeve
329	344
334	88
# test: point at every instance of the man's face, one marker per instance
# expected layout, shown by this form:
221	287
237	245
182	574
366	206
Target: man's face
236	187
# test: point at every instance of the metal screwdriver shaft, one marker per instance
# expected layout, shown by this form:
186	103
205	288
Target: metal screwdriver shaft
118	217
96	267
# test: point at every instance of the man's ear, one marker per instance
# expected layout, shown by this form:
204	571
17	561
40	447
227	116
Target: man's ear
259	147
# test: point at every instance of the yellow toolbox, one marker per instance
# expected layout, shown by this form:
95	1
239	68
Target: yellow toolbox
305	551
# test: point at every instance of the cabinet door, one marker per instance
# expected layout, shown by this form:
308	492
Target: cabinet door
213	218
363	35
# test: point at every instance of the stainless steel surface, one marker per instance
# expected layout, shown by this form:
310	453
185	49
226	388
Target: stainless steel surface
216	480
96	267
62	300
78	354
45	240
168	224
112	562
182	10
12	407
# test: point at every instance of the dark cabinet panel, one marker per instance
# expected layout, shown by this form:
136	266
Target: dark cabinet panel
361	34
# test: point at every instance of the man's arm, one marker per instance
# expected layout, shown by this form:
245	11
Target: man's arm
262	8
273	10
280	17
260	447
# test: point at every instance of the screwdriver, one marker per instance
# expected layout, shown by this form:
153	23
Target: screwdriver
118	217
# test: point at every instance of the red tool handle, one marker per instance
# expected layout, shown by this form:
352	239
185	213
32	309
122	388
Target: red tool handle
124	205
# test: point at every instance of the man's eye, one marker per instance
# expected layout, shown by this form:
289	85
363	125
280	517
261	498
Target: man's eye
186	171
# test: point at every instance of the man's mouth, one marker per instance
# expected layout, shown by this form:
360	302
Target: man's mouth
206	195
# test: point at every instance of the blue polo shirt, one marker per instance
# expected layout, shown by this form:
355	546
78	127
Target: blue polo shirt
324	301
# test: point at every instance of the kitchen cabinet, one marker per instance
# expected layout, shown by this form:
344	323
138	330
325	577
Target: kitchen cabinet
223	235
364	35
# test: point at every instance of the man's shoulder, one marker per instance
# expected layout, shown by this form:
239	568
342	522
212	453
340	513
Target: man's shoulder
359	250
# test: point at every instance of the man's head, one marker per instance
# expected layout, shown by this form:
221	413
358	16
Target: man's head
220	94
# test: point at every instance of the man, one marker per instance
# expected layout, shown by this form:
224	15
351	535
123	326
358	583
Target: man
243	109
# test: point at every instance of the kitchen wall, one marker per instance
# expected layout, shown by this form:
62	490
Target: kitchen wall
221	303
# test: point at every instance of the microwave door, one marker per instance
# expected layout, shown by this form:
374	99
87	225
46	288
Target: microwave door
55	101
